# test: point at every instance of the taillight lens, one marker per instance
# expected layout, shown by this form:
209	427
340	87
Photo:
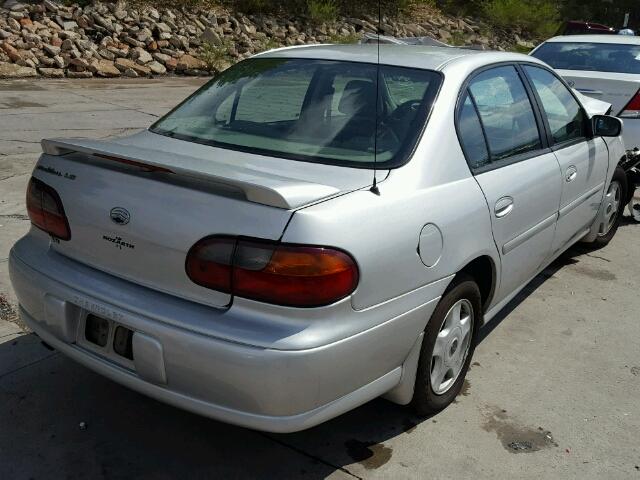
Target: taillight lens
283	274
209	263
632	110
46	211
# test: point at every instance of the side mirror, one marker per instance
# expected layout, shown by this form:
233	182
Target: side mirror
606	126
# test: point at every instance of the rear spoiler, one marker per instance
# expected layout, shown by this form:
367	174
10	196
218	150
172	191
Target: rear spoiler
258	187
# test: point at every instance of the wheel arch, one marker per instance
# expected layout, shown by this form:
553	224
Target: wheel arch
483	270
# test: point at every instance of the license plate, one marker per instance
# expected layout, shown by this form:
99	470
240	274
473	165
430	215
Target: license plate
97	331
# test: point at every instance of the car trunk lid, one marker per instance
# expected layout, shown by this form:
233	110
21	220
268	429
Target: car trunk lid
136	206
615	88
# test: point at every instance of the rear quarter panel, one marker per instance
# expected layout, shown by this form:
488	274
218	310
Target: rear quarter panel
382	231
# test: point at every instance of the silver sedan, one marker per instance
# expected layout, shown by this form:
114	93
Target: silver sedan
314	228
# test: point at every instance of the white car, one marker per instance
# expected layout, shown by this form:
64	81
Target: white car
606	67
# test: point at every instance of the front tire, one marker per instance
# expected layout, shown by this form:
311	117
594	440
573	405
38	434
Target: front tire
613	204
448	345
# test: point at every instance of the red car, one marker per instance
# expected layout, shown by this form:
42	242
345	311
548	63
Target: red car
574	27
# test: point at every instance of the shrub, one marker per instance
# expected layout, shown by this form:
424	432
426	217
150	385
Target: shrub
216	56
344	39
323	10
536	16
268	44
253	6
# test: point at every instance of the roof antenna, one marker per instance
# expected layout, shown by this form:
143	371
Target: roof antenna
374	188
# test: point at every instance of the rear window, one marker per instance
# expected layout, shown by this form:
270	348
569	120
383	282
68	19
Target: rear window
599	57
310	110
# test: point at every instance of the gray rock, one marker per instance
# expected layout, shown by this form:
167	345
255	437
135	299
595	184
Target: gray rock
51	50
45	61
130	72
141	56
161	57
102	21
162	27
104	68
153	13
14	5
133	42
11	70
51	72
4	34
70	25
123	64
72	74
67	45
248	29
106	54
13	25
49	5
211	36
69	34
79	64
157	68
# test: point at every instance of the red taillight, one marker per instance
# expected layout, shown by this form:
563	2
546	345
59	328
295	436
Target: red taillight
292	275
46	211
632	110
209	263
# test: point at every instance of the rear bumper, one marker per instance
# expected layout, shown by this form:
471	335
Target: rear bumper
253	386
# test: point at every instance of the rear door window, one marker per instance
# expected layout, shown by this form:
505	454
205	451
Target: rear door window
471	136
566	118
506	112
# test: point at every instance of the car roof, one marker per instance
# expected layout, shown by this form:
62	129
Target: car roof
416	56
621	39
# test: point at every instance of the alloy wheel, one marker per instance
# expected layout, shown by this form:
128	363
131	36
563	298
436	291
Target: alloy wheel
452	346
611	208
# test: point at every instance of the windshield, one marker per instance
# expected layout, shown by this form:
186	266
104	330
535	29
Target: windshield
310	110
599	57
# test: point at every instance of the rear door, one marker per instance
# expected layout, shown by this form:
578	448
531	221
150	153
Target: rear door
584	161
501	135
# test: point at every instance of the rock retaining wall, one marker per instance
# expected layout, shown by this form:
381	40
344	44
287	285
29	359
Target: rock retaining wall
56	40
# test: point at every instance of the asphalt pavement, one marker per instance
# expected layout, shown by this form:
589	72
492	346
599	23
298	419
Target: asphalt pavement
553	392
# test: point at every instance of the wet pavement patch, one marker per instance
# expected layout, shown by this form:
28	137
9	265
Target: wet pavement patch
517	438
17	102
370	455
596	273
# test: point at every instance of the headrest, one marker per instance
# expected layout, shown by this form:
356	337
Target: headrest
358	98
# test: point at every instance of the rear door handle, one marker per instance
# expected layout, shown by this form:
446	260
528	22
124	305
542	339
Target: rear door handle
503	207
572	173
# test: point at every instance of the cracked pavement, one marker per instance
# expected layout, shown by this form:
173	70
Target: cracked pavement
557	374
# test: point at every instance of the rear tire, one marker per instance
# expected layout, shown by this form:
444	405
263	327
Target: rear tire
448	345
614	203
